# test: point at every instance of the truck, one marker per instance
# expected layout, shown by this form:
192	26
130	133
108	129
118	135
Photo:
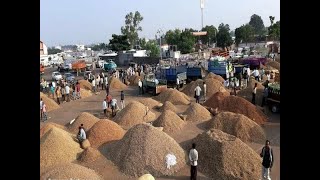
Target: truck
273	99
153	85
194	73
218	65
171	74
110	65
253	62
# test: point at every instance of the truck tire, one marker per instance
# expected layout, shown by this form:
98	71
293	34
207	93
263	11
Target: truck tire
274	108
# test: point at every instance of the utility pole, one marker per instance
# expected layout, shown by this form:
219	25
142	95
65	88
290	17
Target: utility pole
201	7
160	35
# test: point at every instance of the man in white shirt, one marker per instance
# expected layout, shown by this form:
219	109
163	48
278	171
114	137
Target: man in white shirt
140	87
197	93
81	135
256	74
113	106
193	157
178	83
204	91
93	85
104	106
41	106
53	84
97	82
67	92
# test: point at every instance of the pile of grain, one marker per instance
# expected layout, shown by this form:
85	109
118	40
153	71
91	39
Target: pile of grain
49	126
89	155
149	102
143	150
87	119
213	86
196	112
223	156
135	79
214	76
274	64
104	131
57	147
134	113
84	84
168	106
170	122
238	125
247	92
174	96
146	177
237	105
70	171
115	83
85	93
51	104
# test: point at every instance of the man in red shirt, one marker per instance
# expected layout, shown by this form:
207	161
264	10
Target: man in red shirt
78	90
109	99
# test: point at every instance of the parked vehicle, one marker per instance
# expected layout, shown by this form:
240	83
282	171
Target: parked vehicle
69	77
253	62
273	99
194	73
153	85
110	66
218	65
56	76
172	74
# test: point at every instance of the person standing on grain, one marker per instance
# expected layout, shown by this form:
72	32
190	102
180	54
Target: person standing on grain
204	91
81	134
193	157
267	160
254	92
44	111
197	93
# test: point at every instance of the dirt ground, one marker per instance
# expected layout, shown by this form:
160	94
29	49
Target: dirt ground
93	104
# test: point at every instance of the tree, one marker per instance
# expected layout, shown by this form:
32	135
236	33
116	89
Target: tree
183	39
274	29
98	47
119	43
223	37
211	35
173	36
257	23
244	33
132	27
151	46
53	51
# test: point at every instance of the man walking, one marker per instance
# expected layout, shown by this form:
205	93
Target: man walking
256	74
193	157
107	89
122	100
67	93
265	95
104	107
41	107
178	83
254	92
197	93
93	83
267	160
204	91
140	87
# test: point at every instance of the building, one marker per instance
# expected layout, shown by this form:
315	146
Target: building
44	60
58	47
80	47
43	49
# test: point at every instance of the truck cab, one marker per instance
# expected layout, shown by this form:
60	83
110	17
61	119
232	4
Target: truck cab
153	85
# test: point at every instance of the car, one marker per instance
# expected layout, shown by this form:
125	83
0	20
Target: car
69	77
56	76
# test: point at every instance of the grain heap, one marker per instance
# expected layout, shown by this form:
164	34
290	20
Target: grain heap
104	131
89	155
213	86
134	113
57	147
247	92
146	177
149	102
84	84
214	76
49	126
174	96
170	122
51	104
143	150
85	93
237	105
168	106
115	83
238	125
226	157
87	119
70	171
196	112
135	79
274	64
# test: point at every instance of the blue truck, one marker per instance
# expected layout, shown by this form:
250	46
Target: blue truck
219	66
171	74
194	73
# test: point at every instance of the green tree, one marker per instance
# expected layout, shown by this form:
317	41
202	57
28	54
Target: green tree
244	33
257	23
223	37
173	36
119	43
274	29
132	27
211	34
53	51
98	47
151	46
183	39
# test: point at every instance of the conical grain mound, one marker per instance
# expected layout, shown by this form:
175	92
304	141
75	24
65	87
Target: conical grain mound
151	103
174	96
215	100
57	147
85	93
274	64
104	131
225	157
170	122
238	125
89	155
168	106
49	126
237	105
214	76
84	84
134	113
115	83
87	119
71	171
196	112
50	103
143	150
135	79
247	92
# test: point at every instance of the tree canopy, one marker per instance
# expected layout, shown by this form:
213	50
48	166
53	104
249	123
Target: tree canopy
183	39
223	37
257	23
53	51
132	27
98	47
244	33
274	29
119	43
211	34
151	46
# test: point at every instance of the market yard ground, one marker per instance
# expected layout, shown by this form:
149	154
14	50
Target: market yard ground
105	167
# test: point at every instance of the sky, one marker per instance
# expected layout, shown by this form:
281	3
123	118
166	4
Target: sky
65	22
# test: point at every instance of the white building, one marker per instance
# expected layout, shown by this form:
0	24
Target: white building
80	47
58	47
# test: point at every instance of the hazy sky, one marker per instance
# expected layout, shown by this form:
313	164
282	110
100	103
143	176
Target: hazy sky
84	22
